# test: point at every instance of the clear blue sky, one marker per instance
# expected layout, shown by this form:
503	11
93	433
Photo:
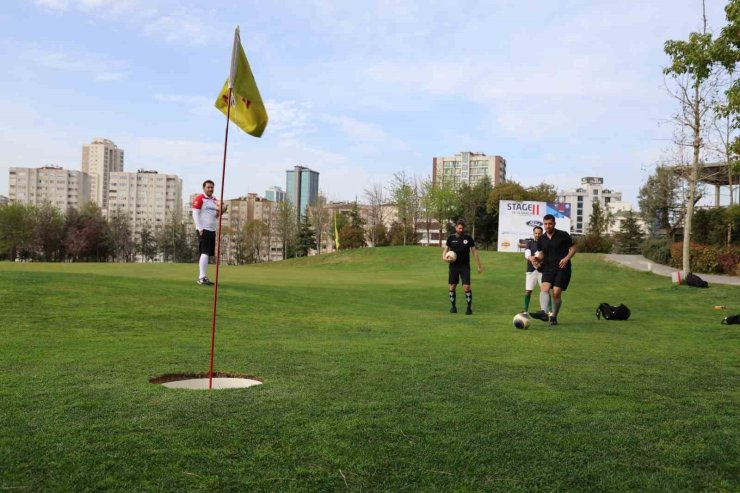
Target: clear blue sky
356	90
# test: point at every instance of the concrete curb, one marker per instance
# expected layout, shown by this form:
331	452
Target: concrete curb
638	262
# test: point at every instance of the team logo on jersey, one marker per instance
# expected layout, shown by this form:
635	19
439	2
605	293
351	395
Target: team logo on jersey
465	242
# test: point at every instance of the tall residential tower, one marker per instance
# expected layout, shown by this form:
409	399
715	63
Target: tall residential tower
100	158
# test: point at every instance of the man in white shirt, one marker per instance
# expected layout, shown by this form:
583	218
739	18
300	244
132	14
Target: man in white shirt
205	214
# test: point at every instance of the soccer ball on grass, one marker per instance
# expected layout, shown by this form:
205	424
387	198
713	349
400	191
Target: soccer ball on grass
521	321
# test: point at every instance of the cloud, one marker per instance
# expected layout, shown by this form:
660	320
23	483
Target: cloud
166	20
96	66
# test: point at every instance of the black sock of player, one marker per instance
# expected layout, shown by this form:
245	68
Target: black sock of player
556	307
452	297
469	297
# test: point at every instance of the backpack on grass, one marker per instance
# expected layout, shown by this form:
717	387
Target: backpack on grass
610	312
731	320
696	282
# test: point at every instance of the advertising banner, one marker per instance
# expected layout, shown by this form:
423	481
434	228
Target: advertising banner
516	220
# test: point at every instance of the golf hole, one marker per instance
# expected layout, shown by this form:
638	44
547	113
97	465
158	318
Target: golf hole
199	381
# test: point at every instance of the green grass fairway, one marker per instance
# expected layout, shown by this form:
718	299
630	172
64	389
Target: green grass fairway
369	383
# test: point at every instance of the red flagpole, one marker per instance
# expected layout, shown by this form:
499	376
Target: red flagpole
218	243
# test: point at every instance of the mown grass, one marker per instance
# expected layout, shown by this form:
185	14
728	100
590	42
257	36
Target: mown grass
369	384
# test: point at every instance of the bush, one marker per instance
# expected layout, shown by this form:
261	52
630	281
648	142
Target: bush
658	251
729	261
593	243
707	258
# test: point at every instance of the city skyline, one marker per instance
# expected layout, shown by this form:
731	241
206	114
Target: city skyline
560	91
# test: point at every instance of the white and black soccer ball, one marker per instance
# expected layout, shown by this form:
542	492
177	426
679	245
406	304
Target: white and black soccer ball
522	321
450	257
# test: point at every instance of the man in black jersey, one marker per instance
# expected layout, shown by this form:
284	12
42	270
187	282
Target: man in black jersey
555	249
462	245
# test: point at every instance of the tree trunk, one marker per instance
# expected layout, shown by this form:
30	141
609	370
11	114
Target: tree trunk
693	179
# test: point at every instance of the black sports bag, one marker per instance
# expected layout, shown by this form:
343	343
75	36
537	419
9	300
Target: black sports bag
610	312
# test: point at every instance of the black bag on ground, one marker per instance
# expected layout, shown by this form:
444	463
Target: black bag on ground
731	320
610	312
696	282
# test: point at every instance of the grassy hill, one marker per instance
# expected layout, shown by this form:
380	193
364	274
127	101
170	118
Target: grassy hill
369	383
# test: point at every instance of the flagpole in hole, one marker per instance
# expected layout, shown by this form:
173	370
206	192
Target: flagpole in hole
252	118
221	205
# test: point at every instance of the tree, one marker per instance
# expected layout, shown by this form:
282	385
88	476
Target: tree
600	221
509	190
660	201
121	237
352	235
86	234
147	245
691	67
402	195
320	218
376	199
726	51
630	236
441	200
286	227
472	199
306	237
544	192
16	230
49	232
253	235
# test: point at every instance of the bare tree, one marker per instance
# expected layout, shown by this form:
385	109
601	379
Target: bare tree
286	226
691	70
376	198
320	218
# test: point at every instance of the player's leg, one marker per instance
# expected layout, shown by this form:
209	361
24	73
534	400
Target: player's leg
561	284
203	259
531	278
453	279
465	274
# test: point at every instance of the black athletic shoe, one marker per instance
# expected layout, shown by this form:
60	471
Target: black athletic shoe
553	320
469	311
453	309
540	315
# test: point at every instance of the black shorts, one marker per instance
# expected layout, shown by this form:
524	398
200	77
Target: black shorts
557	278
459	271
207	243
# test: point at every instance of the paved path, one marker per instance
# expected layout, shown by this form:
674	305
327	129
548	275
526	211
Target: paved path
638	262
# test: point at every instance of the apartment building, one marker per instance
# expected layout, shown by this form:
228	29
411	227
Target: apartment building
100	158
469	168
582	199
60	187
148	198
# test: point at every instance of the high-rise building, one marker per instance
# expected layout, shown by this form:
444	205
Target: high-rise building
301	188
148	198
469	168
582	201
62	188
240	212
275	194
100	158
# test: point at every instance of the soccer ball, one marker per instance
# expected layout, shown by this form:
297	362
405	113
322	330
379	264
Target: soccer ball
522	321
450	257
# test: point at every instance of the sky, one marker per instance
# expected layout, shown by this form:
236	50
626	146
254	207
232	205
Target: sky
356	90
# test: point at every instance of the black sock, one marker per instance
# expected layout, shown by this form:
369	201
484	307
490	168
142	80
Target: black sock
469	297
452	297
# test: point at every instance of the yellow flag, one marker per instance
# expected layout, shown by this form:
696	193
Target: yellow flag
336	232
247	109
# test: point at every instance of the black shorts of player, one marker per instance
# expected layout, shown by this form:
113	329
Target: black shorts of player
459	271
557	278
207	243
